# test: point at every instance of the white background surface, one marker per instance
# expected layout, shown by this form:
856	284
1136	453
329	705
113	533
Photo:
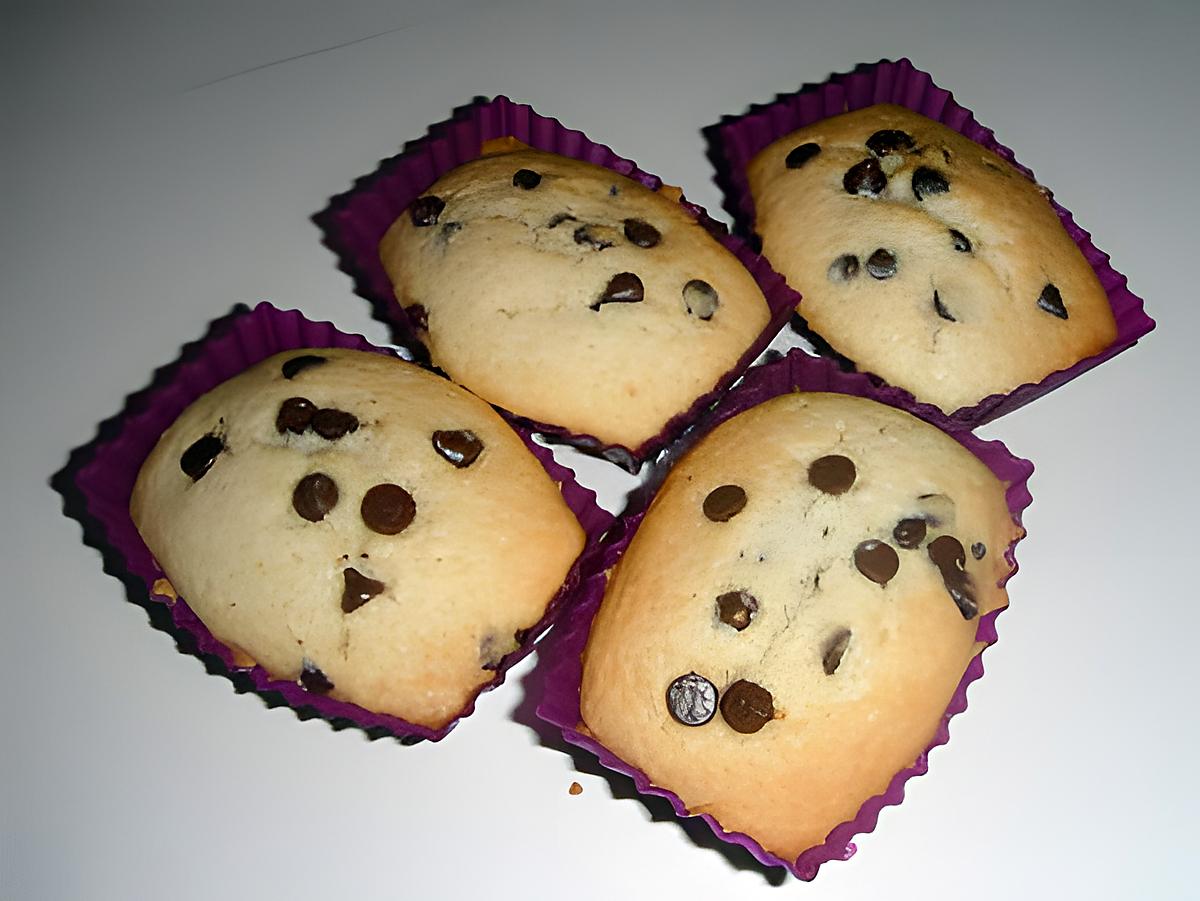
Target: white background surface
147	187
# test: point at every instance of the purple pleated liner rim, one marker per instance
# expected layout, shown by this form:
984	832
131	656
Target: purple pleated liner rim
355	222
98	480
735	141
561	655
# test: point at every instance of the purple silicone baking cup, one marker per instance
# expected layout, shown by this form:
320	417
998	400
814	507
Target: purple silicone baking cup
735	141
562	653
98	480
354	223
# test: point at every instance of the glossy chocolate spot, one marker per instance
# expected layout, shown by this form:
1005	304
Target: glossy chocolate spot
736	608
961	242
747	707
835	649
843	268
388	509
948	556
333	424
461	447
881	264
295	415
624	287
701	299
877	560
418	316
312	679
585	236
909	533
940	308
724	503
800	155
1051	301
692	700
200	456
926	181
425	210
978	550
833	474
359	589
314	496
641	233
866	179
526	179
890	140
296	365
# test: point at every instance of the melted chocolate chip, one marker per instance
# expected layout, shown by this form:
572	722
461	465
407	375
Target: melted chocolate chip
843	268
312	679
926	181
701	299
881	264
559	218
295	415
425	210
724	503
909	533
747	707
624	287
585	236
461	447
833	474
200	456
526	179
449	230
736	608
948	556
314	496
359	589
890	140
940	308
961	242
866	179
835	649
801	155
388	509
418	316
293	367
333	424
692	700
877	561
978	549
642	234
1051	301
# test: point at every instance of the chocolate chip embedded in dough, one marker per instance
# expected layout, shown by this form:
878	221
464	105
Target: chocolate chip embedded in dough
835	649
978	549
461	447
314	496
312	679
940	308
866	179
559	218
1051	301
425	210
692	700
747	707
877	560
833	474
890	140
701	299
843	268
800	155
624	287
418	316
724	503
592	236
200	456
960	241
388	509
526	179
296	365
909	533
641	233
926	181
736	608
881	264
333	424
948	556
295	415
358	589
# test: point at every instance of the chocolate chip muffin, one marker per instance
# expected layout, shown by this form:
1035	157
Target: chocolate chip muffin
924	257
795	612
571	295
353	522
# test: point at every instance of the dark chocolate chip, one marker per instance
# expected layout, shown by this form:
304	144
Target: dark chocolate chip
526	179
332	424
613	190
978	549
692	700
359	589
418	316
585	236
843	268
701	299
833	474
736	608
312	679
926	181
314	496
559	218
866	178
199	457
1051	301
747	707
909	533
641	233
876	560
835	649
948	556
724	503
293	367
961	242
461	446
801	155
295	415
624	287
940	308
890	140
520	635
388	509
881	264
425	210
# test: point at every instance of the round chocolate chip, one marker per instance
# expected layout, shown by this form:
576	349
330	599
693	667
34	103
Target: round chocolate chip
418	316
843	268
747	707
332	424
881	264
948	556
736	608
947	552
388	509
833	474
425	210
701	299
526	179
877	561
909	533
835	649
978	549
643	234
692	700
961	242
926	181
461	447
314	496
312	679
801	155
586	236
358	590
293	367
724	503
199	457
624	287
940	308
866	179
295	414
1051	301
890	140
